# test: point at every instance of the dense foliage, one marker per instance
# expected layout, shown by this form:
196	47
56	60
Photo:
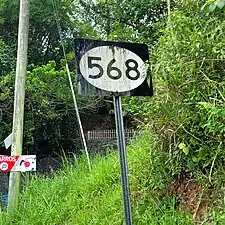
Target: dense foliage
50	119
187	65
49	113
79	196
187	111
186	40
128	20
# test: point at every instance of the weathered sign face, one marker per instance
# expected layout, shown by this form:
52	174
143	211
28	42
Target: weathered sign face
107	68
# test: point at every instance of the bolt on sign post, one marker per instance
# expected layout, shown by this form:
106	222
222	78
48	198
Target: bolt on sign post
107	68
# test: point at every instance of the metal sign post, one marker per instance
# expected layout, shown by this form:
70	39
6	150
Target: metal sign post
123	159
107	68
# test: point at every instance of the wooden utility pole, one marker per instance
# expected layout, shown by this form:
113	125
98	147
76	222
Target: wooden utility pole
19	96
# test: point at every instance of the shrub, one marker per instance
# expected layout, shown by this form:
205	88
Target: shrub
188	71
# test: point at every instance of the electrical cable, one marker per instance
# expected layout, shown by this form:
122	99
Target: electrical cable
71	84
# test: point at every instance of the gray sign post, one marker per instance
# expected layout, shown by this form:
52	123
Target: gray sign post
123	159
107	68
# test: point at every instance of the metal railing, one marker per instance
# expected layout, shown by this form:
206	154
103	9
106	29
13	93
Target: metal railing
109	134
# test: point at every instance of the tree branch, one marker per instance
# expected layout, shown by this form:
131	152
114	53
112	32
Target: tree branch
97	11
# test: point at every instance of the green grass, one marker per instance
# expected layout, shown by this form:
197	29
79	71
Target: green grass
76	196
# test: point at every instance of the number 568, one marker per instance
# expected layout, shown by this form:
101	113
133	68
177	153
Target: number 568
131	65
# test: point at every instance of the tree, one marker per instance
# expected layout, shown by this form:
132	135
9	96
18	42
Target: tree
137	17
44	40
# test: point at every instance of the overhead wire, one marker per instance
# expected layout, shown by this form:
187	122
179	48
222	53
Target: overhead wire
71	84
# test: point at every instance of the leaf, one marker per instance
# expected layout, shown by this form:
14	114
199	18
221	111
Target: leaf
206	105
221	4
212	7
206	163
186	150
181	146
204	6
195	159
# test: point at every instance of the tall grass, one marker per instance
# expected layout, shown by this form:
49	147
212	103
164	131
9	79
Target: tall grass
76	196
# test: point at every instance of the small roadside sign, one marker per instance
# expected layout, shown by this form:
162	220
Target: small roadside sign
8	141
106	68
23	163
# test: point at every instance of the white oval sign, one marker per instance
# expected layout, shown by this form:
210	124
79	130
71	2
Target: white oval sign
113	69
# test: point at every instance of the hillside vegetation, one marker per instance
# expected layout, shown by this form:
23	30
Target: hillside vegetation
177	166
187	111
77	196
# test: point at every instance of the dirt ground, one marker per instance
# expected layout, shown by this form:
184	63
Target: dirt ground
189	194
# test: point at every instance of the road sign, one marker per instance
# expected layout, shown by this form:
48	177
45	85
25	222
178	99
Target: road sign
114	68
106	68
22	163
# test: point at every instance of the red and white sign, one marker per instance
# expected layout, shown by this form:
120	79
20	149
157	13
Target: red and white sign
21	163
